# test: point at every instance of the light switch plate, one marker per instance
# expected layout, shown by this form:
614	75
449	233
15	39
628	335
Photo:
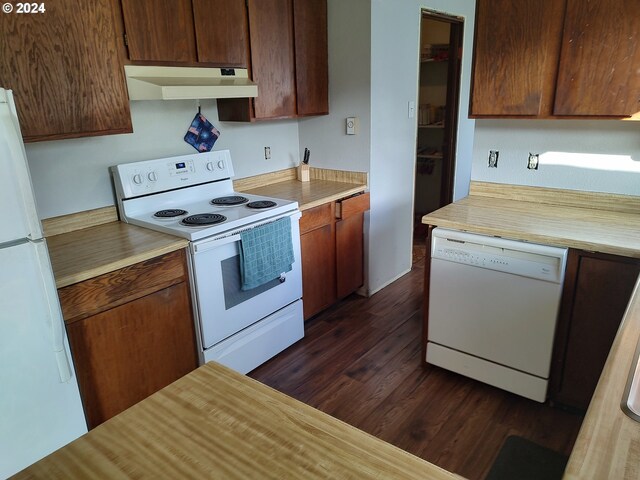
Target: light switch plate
412	109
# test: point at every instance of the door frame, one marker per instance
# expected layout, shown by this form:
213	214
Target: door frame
453	100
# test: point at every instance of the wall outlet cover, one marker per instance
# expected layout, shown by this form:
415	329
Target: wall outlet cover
493	158
532	162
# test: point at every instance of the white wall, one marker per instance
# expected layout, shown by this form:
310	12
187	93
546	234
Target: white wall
349	38
349	50
395	36
72	175
593	155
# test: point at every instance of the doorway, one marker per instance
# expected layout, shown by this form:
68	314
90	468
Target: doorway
437	118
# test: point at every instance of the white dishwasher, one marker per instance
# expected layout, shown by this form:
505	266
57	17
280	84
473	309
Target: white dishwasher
493	306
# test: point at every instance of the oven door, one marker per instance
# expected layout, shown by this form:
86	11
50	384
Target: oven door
222	307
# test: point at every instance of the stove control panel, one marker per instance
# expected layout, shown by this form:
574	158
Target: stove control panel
154	176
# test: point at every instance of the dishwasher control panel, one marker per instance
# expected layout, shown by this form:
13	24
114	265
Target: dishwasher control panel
509	256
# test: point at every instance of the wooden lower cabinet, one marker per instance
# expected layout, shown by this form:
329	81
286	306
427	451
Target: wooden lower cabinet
332	245
126	347
318	269
596	293
349	255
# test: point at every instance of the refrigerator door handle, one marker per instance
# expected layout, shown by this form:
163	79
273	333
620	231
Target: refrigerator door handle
57	322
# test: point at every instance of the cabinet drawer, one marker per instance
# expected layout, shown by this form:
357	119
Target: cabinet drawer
348	207
316	217
121	286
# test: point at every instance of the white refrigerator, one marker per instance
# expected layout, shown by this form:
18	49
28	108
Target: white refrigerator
40	407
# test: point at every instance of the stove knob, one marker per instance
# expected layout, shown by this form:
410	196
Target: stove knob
137	179
221	164
210	166
152	176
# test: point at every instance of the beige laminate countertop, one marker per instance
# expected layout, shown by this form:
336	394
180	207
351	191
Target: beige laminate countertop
216	423
565	226
90	252
309	194
109	245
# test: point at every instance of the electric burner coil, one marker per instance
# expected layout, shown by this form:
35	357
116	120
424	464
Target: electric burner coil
203	219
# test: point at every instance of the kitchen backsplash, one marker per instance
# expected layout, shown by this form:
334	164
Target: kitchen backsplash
72	175
592	155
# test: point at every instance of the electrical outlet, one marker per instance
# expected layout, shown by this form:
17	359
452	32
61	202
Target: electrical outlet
532	162
493	158
267	153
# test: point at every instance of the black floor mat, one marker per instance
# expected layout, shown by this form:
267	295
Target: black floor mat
521	459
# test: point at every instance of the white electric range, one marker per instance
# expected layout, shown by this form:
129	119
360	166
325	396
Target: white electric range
192	196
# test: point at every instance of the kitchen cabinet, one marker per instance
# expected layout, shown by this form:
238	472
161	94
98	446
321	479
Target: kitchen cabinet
515	57
596	293
212	32
536	61
317	245
312	70
597	74
131	333
332	249
65	68
289	61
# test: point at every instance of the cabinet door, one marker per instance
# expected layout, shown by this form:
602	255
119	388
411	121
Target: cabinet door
160	30
312	72
515	57
222	35
599	60
272	57
65	70
593	304
349	255
125	354
317	244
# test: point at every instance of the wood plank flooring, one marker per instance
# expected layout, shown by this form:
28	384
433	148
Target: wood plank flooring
360	362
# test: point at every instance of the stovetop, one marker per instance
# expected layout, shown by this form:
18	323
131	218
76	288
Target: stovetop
145	188
142	213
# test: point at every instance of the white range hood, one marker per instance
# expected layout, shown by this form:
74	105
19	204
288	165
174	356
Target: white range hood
185	83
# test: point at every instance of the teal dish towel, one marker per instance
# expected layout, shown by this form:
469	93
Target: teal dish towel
265	253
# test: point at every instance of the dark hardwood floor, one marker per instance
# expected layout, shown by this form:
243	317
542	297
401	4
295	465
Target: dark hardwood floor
360	362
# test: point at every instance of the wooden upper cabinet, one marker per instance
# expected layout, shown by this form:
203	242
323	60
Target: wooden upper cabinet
160	30
556	58
515	56
289	61
598	70
312	71
272	57
65	70
222	35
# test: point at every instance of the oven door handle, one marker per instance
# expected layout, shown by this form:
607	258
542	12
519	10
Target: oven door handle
204	246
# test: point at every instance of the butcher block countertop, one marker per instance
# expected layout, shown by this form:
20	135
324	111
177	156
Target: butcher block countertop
216	423
324	186
87	253
595	222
